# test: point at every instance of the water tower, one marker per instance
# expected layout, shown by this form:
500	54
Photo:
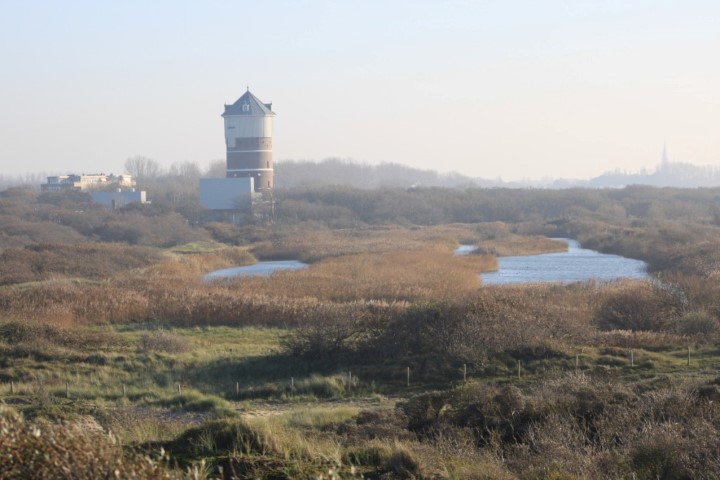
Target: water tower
248	138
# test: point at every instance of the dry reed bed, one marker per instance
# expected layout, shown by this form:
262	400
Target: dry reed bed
410	267
517	245
196	264
313	245
363	290
389	276
173	292
92	261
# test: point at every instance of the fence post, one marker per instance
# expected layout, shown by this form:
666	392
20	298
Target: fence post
688	355
577	363
408	376
237	389
67	390
179	389
464	372
632	358
124	391
292	384
350	380
12	387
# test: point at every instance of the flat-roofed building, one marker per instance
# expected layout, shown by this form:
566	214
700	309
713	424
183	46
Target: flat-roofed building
118	198
59	183
227	193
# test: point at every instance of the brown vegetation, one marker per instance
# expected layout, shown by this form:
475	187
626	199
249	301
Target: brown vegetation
584	380
69	451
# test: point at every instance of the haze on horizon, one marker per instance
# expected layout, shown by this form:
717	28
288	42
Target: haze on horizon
516	89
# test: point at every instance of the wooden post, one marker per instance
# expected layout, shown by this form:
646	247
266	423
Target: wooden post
632	358
67	390
237	389
349	380
688	355
292	384
12	387
179	389
124	392
518	369
577	363
464	372
408	376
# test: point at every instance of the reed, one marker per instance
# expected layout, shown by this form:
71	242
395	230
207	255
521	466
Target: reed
312	245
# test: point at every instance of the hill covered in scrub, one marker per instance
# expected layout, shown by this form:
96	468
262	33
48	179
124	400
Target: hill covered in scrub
336	171
348	173
386	358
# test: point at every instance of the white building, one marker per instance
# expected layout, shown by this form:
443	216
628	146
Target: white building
72	181
119	198
227	193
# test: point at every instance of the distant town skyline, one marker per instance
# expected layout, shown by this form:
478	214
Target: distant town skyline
513	89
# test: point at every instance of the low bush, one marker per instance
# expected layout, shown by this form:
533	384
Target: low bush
373	454
67	451
197	402
28	332
218	437
698	324
322	386
640	306
402	464
95	261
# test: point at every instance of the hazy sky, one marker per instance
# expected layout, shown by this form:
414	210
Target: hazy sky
510	88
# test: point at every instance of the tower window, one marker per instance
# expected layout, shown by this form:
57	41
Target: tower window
246	107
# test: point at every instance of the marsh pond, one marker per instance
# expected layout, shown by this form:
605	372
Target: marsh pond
575	265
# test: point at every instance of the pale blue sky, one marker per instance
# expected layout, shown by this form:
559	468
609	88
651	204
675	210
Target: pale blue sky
517	88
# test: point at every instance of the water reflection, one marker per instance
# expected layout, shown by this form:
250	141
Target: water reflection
257	269
577	264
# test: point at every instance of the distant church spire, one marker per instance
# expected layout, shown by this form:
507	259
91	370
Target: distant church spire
665	159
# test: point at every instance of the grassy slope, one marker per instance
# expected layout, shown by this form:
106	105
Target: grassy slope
207	362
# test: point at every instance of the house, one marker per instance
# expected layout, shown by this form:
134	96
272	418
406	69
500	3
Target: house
72	181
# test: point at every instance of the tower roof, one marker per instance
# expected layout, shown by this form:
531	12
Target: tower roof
665	158
248	104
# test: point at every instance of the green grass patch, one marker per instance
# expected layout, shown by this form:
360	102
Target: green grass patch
198	247
196	402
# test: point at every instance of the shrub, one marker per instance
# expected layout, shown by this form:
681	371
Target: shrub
40	333
223	436
402	464
640	306
197	402
373	454
94	261
322	387
699	324
67	451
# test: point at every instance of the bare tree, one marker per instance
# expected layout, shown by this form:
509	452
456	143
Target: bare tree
142	167
217	168
187	170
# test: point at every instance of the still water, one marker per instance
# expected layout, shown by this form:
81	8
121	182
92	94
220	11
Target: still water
577	264
258	269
